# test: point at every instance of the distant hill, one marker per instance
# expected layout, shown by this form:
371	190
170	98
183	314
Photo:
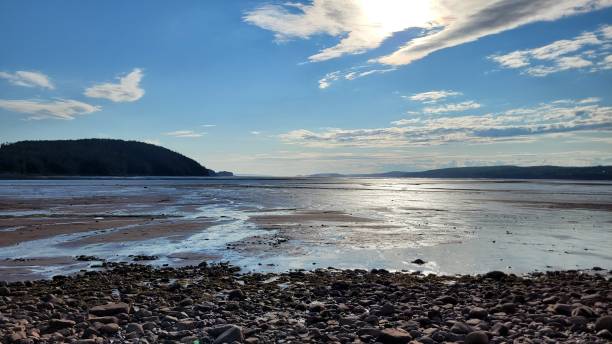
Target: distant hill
95	157
507	172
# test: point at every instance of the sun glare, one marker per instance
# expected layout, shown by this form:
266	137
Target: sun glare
397	15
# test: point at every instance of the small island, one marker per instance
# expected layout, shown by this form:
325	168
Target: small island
96	157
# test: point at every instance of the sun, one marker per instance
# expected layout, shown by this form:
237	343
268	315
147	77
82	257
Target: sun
398	15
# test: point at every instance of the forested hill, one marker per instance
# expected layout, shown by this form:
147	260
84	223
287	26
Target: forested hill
95	157
511	172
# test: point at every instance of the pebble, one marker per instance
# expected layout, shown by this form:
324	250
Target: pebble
213	303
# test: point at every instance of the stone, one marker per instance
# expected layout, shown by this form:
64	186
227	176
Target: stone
5	291
394	336
418	261
232	334
478	313
500	329
561	308
110	309
135	327
476	337
446	299
235	295
508	307
58	324
387	309
605	334
604	323
109	328
583	311
495	275
461	328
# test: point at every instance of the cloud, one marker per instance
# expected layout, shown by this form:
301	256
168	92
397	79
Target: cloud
327	80
456	107
364	25
518	124
580	52
467	21
57	109
350	74
254	132
184	134
127	90
432	96
208	125
28	79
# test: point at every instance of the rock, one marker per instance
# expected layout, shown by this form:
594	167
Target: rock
110	309
235	295
495	275
232	334
509	308
316	307
604	323
477	337
605	334
394	336
561	308
104	320
583	311
387	309
418	261
447	299
577	323
461	328
135	327
478	313
109	328
500	329
5	291
58	324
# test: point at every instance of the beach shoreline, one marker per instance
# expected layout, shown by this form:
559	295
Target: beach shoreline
216	303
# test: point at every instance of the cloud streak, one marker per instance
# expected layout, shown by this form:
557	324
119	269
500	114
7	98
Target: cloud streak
28	79
512	125
65	109
589	50
127	90
432	96
184	134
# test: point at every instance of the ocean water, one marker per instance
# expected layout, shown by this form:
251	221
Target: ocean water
455	226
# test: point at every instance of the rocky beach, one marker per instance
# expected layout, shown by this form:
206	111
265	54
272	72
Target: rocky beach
216	303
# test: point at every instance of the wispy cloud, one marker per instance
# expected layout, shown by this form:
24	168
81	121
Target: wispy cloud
28	79
350	74
208	125
512	125
127	90
184	134
432	96
57	109
454	107
365	25
589	51
254	132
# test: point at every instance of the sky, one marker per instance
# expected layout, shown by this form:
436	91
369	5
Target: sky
320	86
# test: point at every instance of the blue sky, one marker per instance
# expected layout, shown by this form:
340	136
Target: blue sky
266	87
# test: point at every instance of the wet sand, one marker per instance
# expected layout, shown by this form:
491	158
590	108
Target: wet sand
276	225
